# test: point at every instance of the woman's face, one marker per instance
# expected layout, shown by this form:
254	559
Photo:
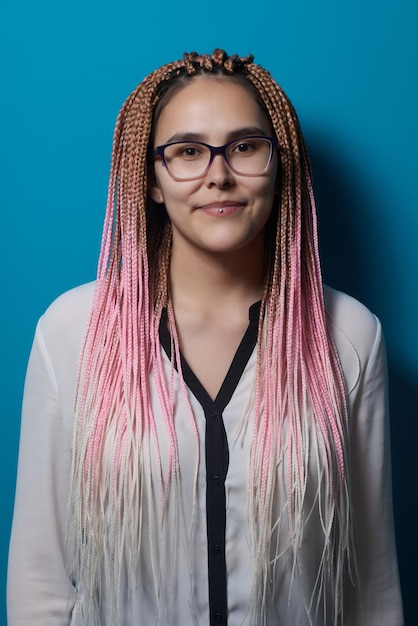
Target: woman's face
214	111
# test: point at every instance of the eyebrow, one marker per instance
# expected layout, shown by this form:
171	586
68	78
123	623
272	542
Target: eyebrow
233	134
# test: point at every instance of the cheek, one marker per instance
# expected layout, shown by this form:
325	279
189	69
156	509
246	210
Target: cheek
267	201
175	192
268	185
275	175
266	192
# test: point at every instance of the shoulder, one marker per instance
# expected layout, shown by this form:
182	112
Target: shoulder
356	332
76	299
350	316
64	323
72	307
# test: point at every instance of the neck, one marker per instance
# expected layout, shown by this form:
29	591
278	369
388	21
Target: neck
206	281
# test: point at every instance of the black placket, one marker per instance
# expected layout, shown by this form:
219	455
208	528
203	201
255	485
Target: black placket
217	460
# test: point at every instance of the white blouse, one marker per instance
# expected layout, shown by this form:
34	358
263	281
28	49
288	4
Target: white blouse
39	590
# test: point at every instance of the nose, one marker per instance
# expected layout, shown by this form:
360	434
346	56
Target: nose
219	173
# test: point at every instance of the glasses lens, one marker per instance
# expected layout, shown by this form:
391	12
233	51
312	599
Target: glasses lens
186	160
250	156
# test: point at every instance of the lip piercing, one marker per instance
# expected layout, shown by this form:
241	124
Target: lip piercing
220	210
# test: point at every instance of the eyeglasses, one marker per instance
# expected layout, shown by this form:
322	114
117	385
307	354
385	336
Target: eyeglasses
189	160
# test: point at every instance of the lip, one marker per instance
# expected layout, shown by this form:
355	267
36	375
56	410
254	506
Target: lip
222	208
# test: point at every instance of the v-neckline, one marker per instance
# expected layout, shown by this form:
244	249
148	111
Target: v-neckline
235	371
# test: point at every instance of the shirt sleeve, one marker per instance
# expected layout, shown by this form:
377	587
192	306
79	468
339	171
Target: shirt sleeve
39	592
376	598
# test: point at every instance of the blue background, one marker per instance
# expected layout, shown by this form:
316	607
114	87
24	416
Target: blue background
351	71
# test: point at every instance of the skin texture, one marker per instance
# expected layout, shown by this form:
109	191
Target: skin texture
217	111
217	262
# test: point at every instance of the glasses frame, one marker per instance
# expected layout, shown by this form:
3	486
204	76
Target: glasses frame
214	151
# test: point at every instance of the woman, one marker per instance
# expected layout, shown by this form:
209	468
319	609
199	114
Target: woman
230	459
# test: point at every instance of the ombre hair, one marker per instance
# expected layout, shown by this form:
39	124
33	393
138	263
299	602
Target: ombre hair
299	402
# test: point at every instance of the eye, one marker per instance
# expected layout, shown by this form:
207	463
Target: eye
189	151
244	146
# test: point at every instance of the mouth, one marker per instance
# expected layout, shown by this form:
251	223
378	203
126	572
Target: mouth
222	208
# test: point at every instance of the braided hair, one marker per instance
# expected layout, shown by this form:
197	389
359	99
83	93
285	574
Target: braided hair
299	404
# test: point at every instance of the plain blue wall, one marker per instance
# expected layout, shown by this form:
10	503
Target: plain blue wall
350	69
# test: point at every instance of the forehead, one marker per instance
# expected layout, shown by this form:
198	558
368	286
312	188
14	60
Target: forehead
209	106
